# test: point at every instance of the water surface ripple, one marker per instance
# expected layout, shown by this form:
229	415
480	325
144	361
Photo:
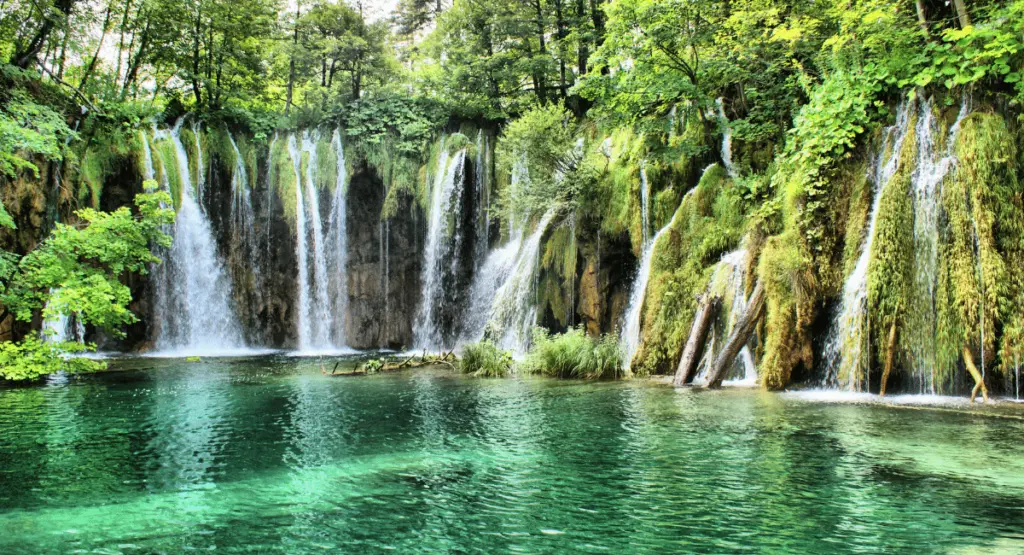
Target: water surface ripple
266	455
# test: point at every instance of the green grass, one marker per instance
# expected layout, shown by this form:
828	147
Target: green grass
574	354
485	359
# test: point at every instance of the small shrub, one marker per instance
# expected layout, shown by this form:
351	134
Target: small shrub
485	359
574	354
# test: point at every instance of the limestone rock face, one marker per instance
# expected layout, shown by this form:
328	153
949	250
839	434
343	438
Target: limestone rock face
589	307
384	258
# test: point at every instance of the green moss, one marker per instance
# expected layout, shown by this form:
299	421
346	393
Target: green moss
891	268
985	226
708	223
282	175
790	282
166	153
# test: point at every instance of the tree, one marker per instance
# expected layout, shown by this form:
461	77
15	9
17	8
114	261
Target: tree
78	270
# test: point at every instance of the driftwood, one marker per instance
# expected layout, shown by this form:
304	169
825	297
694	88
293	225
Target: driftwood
445	359
741	333
979	381
890	352
698	333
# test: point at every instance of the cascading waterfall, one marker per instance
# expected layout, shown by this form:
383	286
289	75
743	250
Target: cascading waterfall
512	312
729	281
305	309
631	329
847	348
441	248
846	351
926	184
241	201
62	326
195	311
337	244
491	275
320	321
726	139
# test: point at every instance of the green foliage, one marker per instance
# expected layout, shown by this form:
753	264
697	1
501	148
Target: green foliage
373	366
977	291
31	358
78	269
709	222
538	148
29	131
891	270
574	354
485	359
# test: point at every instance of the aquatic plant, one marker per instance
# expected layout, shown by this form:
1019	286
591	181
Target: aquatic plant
485	359
574	354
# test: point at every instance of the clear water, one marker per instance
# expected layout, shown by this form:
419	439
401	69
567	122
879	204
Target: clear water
268	455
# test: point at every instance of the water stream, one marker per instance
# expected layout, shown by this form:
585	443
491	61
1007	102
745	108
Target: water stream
440	255
195	309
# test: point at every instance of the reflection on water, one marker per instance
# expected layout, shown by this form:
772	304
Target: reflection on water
268	455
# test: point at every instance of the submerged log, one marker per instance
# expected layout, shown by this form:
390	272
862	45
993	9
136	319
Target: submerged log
741	333
979	381
890	353
698	333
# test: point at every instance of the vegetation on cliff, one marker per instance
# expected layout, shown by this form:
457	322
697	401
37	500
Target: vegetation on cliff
728	124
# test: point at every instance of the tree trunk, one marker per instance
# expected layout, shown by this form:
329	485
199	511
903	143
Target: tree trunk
740	335
26	57
539	79
961	13
196	87
120	42
890	354
582	53
702	320
99	46
922	19
291	64
979	381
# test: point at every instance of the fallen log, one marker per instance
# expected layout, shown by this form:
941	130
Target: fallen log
741	333
702	320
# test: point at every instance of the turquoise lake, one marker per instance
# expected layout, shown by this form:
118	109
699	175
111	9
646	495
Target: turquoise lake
267	455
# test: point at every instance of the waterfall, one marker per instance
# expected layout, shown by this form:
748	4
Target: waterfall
926	180
492	274
441	248
847	347
513	312
241	202
305	310
846	351
726	139
194	299
645	202
322	325
337	243
320	321
631	322
61	327
730	281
